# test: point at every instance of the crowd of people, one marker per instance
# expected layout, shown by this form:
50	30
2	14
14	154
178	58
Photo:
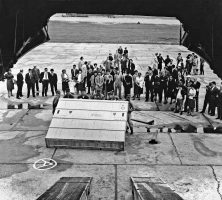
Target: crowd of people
165	81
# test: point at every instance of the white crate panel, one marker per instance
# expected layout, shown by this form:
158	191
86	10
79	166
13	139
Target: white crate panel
75	104
89	135
87	124
90	114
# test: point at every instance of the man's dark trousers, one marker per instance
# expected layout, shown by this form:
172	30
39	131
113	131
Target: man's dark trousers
45	85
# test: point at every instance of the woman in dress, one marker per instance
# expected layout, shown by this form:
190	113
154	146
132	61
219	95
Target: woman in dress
10	82
65	81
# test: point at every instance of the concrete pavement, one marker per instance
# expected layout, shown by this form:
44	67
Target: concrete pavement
191	163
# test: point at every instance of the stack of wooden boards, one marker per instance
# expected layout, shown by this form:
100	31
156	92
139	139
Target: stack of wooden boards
88	124
152	188
68	188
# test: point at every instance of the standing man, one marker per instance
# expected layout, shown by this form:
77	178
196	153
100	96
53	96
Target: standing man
84	73
88	78
126	53
120	51
160	61
20	82
207	98
30	81
74	73
196	86
53	79
167	60
135	87
118	80
131	67
130	110
179	59
74	76
124	65
149	82
213	98
162	87
202	61
36	75
44	79
128	84
99	80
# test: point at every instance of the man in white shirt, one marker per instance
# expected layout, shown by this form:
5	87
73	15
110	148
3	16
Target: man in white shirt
44	79
84	72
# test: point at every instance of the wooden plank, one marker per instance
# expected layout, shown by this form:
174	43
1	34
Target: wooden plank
153	189
90	114
88	124
83	134
75	104
147	179
75	180
65	189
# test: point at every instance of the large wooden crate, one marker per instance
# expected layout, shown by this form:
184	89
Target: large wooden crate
88	124
152	188
69	188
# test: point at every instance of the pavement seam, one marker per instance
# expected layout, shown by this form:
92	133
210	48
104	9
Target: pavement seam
120	164
116	182
20	119
218	182
178	155
54	152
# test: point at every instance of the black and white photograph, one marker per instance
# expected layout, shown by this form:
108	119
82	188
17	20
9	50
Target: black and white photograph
110	100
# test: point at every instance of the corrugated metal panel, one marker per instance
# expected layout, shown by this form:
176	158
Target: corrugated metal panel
152	188
68	188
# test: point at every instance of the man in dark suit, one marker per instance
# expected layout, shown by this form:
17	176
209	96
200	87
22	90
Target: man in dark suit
213	98
128	84
74	76
20	82
160	61
149	82
74	73
207	98
44	79
131	67
30	81
53	81
36	75
196	86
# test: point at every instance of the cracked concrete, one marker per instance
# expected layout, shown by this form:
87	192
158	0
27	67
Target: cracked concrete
218	182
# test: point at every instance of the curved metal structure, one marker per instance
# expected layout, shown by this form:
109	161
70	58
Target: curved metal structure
23	23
